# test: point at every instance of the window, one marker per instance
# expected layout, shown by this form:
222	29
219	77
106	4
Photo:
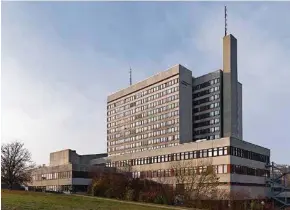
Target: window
215	152
239	151
220	169
217	112
200	154
210	152
204	153
225	150
178	156
165	158
195	154
220	151
191	155
159	159
173	157
225	169
182	156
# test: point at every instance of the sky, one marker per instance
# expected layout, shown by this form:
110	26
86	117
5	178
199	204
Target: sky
60	61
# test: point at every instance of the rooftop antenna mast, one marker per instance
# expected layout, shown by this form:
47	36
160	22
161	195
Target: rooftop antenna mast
130	76
226	25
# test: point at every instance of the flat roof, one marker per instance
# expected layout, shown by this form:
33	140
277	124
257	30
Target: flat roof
172	71
199	145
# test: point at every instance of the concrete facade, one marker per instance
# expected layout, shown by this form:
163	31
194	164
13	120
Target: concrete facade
185	106
70	156
240	111
148	114
205	107
231	88
240	165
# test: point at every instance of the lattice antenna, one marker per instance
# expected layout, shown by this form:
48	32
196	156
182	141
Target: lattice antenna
130	76
226	24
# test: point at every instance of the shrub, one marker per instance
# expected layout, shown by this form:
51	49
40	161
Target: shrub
109	193
129	194
120	186
160	199
99	187
147	196
111	185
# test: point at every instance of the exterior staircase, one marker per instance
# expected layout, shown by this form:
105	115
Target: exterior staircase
279	184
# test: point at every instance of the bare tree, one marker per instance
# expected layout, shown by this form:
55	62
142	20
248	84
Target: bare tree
16	164
288	180
286	171
197	181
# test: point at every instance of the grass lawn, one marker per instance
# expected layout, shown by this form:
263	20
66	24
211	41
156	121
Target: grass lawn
22	200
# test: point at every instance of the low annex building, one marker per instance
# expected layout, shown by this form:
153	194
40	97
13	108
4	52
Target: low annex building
67	171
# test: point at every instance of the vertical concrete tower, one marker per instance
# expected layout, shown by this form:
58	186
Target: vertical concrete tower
232	90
